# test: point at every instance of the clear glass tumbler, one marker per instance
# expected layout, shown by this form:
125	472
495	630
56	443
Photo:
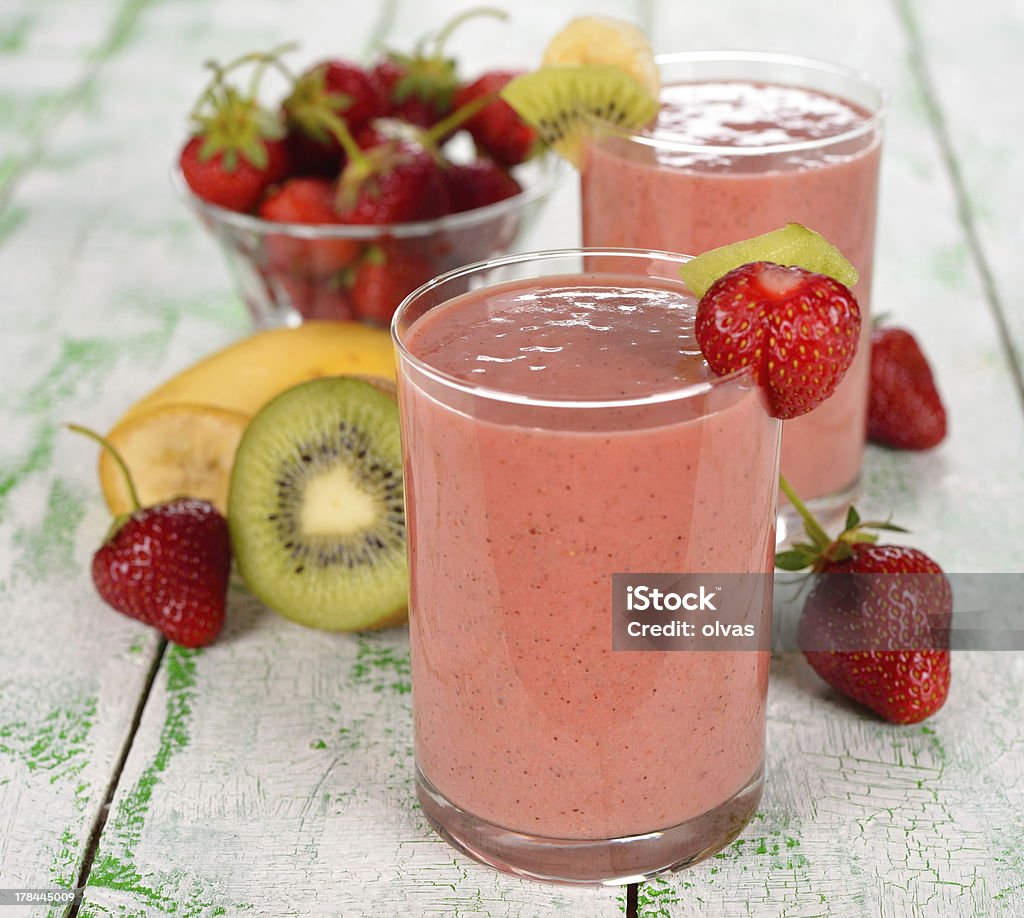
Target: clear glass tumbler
668	188
559	426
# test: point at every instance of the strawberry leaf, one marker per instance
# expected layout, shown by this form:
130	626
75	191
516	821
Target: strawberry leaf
793	560
852	519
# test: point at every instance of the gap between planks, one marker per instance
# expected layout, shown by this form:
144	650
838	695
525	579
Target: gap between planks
965	212
100	821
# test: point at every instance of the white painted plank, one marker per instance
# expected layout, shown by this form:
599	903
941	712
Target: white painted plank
974	65
272	774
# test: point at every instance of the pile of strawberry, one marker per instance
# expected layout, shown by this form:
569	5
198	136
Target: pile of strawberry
357	146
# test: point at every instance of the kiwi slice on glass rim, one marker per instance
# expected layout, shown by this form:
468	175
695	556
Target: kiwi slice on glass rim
791	245
596	67
560	100
316	506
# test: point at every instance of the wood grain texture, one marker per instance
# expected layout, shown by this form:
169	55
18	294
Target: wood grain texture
271	774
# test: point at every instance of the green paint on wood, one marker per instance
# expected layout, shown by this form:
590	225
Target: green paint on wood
380	666
128	821
655	899
55	743
48	549
76	373
14	33
117	870
12	217
64	870
770	838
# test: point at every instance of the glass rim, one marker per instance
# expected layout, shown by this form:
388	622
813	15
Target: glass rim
553	169
670	142
674	394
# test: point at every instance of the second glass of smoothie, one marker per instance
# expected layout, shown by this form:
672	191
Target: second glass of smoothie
560	425
744	144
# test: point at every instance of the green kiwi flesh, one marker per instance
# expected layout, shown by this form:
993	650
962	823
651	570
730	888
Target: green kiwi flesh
792	244
316	506
560	102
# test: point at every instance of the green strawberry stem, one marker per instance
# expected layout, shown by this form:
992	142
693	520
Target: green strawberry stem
220	71
339	129
823	549
814	531
455	119
441	38
116	456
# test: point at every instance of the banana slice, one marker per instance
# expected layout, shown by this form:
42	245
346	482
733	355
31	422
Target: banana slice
173	450
604	40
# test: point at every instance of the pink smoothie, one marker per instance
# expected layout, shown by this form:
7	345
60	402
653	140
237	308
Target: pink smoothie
518	516
691	200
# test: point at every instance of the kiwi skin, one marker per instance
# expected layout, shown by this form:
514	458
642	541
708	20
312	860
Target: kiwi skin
345	581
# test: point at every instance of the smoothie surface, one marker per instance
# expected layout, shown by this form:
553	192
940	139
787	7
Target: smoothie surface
742	114
584	336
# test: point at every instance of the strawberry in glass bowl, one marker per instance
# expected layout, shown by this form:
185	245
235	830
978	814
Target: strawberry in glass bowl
331	205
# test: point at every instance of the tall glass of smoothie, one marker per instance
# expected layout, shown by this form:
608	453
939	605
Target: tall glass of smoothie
560	425
745	143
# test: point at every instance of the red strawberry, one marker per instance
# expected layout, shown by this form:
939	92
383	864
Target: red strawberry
311	299
166	565
904	407
422	99
876	624
328	92
235	152
798	330
384	278
478	184
419	87
393	183
497	129
309	201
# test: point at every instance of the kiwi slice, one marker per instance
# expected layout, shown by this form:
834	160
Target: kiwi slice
792	244
316	506
558	100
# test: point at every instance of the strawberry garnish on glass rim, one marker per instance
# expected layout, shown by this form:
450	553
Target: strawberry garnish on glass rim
780	305
881	637
797	330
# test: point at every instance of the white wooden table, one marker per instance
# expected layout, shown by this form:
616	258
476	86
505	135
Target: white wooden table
271	774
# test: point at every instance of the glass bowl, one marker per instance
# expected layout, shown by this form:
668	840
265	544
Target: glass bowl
289	272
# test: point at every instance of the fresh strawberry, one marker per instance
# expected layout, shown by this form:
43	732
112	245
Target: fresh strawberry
372	135
235	152
876	624
166	565
796	329
408	96
478	184
497	129
305	200
904	407
393	183
327	92
384	278
311	299
419	87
